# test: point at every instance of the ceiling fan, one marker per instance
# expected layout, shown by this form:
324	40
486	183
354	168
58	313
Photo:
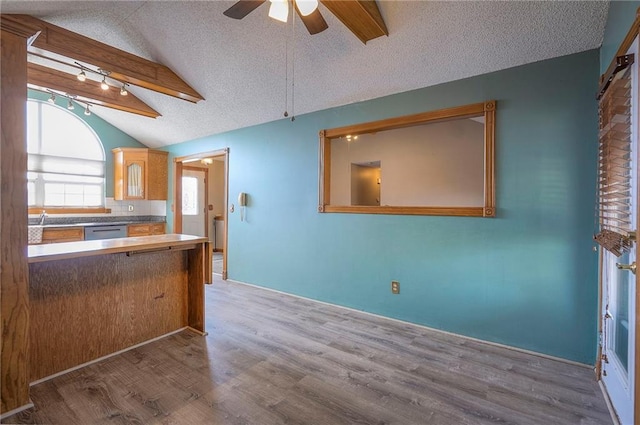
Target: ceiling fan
279	9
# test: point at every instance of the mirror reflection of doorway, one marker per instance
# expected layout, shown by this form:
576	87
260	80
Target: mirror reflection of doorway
365	183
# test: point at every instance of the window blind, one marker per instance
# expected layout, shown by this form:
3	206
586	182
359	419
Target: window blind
613	210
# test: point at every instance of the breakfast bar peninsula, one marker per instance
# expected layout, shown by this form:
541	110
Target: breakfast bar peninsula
89	299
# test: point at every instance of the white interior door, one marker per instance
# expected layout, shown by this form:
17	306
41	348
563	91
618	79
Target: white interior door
619	294
618	366
194	210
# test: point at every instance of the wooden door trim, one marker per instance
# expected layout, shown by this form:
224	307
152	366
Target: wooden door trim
177	199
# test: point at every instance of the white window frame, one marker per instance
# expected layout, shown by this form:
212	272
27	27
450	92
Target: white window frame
86	175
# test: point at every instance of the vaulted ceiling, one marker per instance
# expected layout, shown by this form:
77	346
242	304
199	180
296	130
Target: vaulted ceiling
238	66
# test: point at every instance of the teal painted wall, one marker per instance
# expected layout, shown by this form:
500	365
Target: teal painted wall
527	278
621	16
110	136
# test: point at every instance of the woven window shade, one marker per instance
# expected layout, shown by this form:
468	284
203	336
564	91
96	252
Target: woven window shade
613	209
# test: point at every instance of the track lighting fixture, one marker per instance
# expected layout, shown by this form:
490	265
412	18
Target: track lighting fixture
70	99
82	76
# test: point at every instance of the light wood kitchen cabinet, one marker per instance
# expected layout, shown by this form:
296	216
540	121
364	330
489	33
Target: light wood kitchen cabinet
62	234
146	229
140	173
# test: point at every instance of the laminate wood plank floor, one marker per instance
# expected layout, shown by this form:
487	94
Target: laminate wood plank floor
270	358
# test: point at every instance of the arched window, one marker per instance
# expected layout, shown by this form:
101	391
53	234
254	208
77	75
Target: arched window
66	160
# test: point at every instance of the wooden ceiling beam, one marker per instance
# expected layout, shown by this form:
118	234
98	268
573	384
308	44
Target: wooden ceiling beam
41	77
362	17
22	29
122	65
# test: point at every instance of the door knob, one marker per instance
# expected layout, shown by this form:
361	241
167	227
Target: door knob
631	267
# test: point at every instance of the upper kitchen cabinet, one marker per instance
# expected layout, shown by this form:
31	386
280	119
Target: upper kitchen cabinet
140	173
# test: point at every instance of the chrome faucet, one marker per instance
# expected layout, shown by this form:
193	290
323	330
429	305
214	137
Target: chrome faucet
42	217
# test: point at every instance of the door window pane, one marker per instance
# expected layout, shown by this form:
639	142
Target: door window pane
189	196
620	333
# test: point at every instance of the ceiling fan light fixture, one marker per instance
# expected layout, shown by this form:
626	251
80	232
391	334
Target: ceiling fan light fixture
306	7
279	10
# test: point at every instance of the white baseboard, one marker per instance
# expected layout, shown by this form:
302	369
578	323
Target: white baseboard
99	359
16	410
404	322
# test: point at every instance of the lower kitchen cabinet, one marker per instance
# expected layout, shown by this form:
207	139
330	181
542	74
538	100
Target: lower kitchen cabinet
62	234
146	229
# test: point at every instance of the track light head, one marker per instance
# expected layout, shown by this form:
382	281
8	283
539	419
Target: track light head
81	76
52	99
123	90
87	111
70	105
103	84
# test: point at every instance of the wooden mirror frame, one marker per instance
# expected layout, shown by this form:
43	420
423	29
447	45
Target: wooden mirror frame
486	109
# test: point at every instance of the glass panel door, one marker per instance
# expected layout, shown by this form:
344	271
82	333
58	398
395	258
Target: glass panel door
617	365
194	202
135	179
619	293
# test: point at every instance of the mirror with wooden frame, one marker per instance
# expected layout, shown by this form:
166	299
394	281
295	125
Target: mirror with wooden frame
433	163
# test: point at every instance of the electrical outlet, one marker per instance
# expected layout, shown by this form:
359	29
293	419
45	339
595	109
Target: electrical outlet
395	287
130	208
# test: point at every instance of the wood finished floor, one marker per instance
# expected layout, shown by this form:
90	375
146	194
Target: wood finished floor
274	359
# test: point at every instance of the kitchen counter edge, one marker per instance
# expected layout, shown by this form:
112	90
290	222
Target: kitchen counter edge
70	250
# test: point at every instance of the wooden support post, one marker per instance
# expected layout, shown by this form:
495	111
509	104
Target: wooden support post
198	269
14	283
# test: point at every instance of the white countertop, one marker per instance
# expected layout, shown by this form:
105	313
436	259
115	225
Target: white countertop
68	250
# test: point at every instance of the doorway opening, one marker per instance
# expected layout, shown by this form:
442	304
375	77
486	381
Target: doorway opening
200	201
365	183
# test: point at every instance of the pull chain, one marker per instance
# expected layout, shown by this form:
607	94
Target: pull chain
293	64
286	74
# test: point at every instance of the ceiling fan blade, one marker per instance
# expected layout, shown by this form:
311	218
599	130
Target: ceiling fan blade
242	8
314	22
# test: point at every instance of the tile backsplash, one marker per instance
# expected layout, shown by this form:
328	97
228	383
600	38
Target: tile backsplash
140	207
121	209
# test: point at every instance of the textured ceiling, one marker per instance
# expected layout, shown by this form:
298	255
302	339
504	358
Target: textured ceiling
239	66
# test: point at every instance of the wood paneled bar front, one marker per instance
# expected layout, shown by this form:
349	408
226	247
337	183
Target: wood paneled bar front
89	299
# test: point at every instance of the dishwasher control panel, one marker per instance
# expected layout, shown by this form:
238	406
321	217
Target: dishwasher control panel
105	232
